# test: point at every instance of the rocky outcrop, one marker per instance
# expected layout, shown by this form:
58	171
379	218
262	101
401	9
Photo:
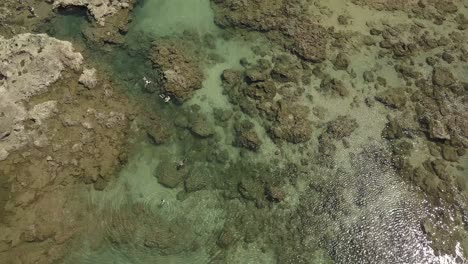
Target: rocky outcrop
341	61
169	174
442	76
200	177
393	98
284	21
82	144
246	137
201	127
88	78
274	96
292	123
30	64
341	127
441	6
159	130
99	9
180	73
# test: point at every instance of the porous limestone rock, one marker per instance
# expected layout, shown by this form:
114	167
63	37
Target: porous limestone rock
180	73
43	111
442	76
88	78
246	136
99	9
30	63
284	21
438	130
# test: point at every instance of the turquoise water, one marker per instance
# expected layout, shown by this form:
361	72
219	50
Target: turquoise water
360	212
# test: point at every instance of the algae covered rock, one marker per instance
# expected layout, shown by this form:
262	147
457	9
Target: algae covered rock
198	178
449	153
392	130
158	130
246	137
442	76
156	232
201	127
285	69
169	175
368	76
341	127
341	61
180	72
292	123
231	77
285	22
334	87
309	40
393	98
226	238
438	130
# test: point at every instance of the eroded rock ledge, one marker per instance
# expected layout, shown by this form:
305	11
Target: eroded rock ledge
285	22
99	9
30	63
57	135
180	74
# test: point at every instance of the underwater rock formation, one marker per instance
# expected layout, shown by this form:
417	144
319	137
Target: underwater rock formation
45	159
99	9
341	127
292	123
393	98
158	129
180	74
201	127
246	137
285	22
259	93
270	164
169	175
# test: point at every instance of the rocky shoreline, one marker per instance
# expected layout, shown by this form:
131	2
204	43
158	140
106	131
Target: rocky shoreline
64	126
61	132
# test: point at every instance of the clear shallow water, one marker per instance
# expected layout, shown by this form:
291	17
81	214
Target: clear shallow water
362	213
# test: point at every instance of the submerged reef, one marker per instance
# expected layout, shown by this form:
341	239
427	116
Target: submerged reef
59	132
231	131
270	90
99	9
284	22
180	74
